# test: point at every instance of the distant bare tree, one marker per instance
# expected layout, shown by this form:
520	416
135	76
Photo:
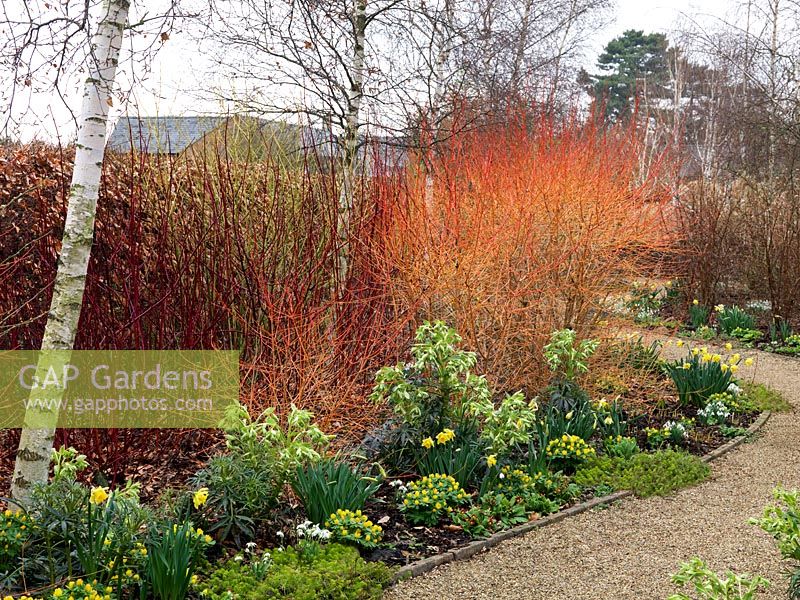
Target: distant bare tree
317	60
525	50
755	57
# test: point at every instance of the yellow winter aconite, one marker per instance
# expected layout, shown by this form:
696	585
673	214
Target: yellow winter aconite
428	499
353	526
570	447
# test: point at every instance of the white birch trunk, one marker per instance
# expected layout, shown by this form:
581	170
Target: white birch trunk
350	150
440	85
708	147
35	446
554	86
522	46
774	7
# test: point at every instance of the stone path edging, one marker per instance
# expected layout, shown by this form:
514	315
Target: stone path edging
426	565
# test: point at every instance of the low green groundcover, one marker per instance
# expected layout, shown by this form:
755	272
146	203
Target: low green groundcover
332	571
646	475
765	398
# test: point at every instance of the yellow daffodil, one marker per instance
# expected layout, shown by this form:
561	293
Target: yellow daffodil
679	343
491	460
734	368
200	497
724	367
445	436
728	346
608	421
687	366
748	362
427	443
695	301
98	495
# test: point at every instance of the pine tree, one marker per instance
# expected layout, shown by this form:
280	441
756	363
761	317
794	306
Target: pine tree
627	64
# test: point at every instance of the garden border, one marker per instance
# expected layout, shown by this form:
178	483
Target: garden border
426	565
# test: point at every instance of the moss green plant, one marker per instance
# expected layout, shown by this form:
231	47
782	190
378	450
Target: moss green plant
765	398
331	571
655	474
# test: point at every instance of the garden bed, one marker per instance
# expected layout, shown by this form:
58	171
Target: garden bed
467	551
740	322
457	469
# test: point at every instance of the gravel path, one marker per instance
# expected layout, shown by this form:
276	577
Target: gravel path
629	550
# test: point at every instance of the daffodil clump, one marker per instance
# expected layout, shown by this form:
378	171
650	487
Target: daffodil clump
698	314
354	527
14	531
703	373
569	448
610	417
442	438
431	498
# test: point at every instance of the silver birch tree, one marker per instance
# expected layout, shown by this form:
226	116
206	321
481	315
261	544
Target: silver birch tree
35	446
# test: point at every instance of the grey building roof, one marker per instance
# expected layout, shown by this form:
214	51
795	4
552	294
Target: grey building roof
159	135
173	134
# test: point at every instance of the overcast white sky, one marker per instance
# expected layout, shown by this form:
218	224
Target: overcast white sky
656	16
177	67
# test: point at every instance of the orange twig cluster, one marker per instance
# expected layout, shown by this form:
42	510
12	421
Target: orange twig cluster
528	229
